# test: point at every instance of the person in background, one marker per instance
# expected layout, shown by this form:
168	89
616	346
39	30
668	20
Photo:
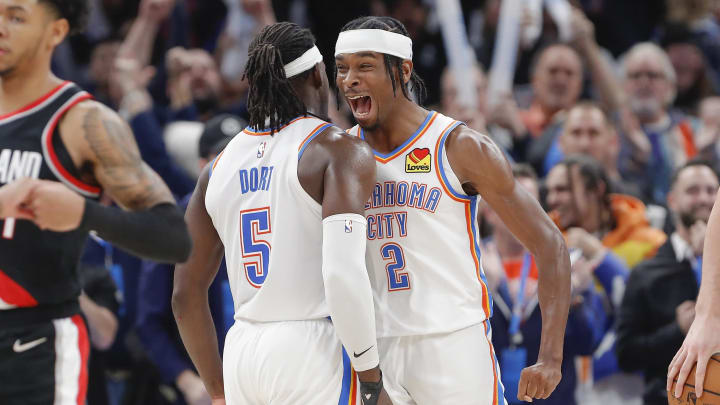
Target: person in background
580	199
656	140
155	323
99	304
588	131
516	269
659	303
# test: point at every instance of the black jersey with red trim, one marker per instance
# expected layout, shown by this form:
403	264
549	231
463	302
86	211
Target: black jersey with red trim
39	269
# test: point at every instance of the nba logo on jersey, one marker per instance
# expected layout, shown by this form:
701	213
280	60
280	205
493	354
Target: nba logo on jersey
348	226
418	161
261	149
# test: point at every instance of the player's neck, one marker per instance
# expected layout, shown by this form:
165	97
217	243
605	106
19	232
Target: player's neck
24	86
401	123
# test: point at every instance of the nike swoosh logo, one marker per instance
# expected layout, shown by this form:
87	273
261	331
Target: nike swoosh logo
362	352
23	347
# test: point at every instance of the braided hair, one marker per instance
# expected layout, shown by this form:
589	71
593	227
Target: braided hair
392	25
271	94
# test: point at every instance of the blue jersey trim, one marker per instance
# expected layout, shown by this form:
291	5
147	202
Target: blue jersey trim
307	141
404	144
443	138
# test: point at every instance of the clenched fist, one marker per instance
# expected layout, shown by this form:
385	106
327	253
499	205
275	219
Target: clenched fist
538	381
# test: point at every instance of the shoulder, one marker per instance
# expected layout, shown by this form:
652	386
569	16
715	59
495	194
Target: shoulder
87	111
474	155
465	137
339	146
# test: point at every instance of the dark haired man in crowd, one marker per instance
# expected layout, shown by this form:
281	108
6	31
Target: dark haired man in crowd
659	303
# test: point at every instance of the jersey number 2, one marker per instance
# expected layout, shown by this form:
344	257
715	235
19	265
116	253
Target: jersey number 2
8	229
255	251
397	279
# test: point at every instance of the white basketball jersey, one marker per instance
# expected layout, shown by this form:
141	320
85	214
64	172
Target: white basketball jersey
270	227
423	253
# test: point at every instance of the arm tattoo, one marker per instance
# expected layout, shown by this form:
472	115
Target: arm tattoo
119	167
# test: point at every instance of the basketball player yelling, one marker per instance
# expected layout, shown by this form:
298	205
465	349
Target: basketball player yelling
284	203
432	302
58	151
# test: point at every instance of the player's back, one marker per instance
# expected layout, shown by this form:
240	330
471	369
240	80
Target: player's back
270	227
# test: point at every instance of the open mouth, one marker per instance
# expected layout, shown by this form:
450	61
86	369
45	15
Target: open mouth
360	105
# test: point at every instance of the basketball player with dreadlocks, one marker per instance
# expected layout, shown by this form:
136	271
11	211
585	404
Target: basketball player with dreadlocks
432	301
59	150
285	199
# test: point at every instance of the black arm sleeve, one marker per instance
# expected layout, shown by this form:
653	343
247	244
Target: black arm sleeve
159	233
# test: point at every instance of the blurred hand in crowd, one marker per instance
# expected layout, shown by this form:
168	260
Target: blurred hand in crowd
583	30
193	76
156	10
633	133
579	238
505	114
128	86
193	389
260	9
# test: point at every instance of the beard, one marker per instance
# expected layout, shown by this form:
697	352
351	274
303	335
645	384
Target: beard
645	109
691	217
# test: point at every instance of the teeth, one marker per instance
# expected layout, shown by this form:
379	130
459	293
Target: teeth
355	97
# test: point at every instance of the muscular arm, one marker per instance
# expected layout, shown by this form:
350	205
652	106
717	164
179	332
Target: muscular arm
482	168
190	292
703	339
346	167
104	144
708	304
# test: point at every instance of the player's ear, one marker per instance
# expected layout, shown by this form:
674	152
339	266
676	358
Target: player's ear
407	68
58	30
317	75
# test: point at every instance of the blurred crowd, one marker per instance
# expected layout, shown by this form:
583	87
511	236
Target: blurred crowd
613	129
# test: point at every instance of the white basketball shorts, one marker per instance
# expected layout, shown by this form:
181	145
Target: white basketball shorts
298	362
457	368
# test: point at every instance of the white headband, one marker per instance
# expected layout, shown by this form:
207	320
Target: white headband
310	58
374	40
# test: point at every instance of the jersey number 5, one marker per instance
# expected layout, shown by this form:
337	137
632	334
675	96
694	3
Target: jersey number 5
255	251
8	229
397	279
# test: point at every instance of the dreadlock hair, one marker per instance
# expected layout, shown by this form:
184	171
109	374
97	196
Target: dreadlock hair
271	94
392	25
74	11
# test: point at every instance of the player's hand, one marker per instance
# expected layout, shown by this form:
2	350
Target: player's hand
538	381
384	398
55	207
15	198
585	241
700	344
